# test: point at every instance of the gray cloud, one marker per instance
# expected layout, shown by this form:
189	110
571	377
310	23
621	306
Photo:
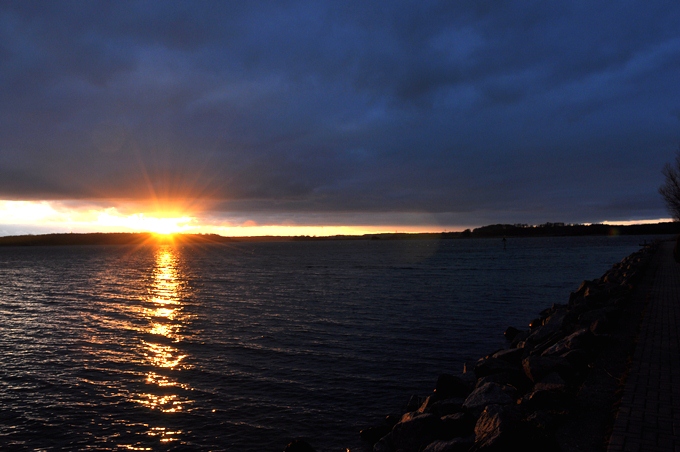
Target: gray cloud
466	113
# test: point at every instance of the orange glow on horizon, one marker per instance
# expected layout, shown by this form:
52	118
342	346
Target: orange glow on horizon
165	222
53	216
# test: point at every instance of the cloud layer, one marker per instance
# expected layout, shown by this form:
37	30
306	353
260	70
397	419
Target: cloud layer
340	111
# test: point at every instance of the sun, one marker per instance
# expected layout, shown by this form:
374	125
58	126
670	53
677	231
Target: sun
163	224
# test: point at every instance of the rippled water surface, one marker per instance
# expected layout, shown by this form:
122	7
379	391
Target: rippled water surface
243	347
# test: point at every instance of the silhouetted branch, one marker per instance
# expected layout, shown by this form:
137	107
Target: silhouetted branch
670	190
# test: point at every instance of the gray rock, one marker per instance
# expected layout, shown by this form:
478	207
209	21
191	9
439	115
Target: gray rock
457	425
386	444
578	359
540	431
447	406
498	428
372	435
510	333
550	326
414	431
413	403
429	401
489	394
581	339
537	367
451	386
516	378
490	366
604	315
512	355
549	393
520	338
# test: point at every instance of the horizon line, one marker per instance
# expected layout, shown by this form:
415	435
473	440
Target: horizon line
404	230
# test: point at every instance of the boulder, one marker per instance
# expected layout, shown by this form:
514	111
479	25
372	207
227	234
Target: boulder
544	420
549	393
498	428
512	355
605	316
510	333
582	288
414	402
578	359
490	366
537	367
595	295
578	340
520	338
457	425
414	431
451	386
386	444
515	378
447	406
372	435
540	431
429	401
550	327
489	394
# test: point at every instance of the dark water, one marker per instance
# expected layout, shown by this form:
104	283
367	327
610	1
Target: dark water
244	347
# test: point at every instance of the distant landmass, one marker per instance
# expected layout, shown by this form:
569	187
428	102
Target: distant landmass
490	231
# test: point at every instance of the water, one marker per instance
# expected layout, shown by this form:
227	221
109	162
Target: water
245	346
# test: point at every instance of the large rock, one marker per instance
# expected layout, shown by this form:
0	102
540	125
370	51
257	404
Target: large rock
512	355
498	428
581	339
386	444
414	431
489	394
520	338
540	431
581	291
515	378
549	393
451	386
490	366
551	326
511	332
414	402
604	317
537	367
457	425
372	435
446	406
578	359
427	404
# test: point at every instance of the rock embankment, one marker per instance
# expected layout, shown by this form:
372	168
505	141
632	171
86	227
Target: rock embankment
518	397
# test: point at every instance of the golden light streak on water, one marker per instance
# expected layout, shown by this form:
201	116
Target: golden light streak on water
166	319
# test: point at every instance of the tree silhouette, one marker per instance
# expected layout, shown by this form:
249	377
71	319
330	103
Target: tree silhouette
670	190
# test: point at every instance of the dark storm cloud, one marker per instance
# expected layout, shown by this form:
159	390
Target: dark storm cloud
486	112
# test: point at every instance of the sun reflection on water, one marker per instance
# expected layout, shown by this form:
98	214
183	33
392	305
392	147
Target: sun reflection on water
166	319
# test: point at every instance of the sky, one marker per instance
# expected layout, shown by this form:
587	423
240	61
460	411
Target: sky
323	117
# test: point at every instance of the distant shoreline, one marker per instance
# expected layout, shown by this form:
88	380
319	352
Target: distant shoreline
491	231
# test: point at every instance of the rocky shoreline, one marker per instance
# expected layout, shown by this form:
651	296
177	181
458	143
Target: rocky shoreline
539	392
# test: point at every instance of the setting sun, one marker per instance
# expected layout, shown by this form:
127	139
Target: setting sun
141	222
